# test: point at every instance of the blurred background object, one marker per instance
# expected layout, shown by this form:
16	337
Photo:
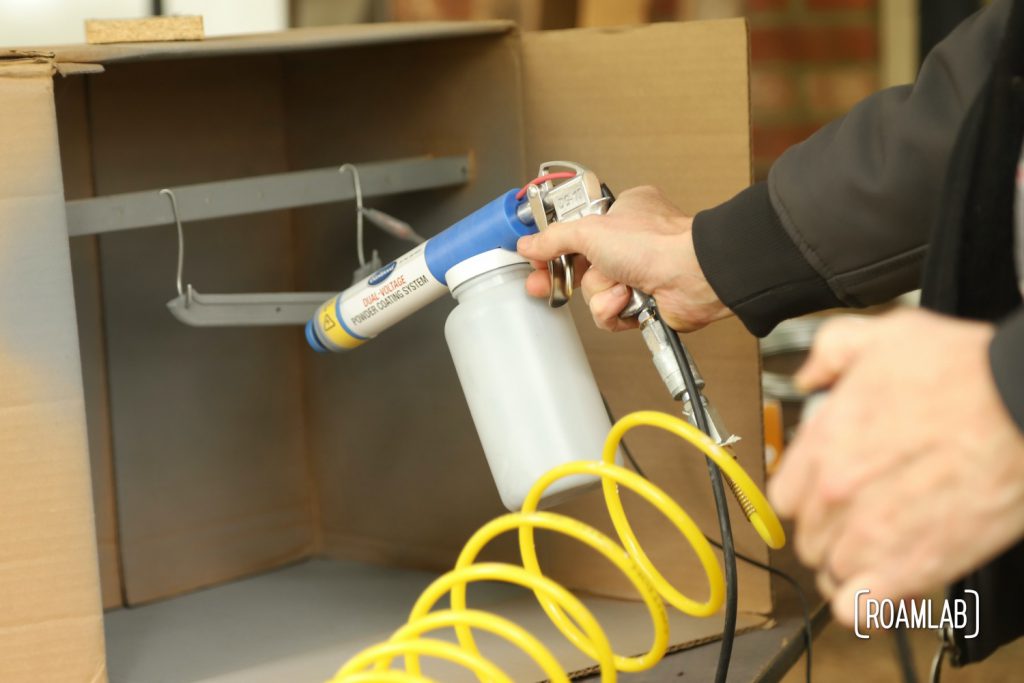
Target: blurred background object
49	22
811	60
224	17
58	22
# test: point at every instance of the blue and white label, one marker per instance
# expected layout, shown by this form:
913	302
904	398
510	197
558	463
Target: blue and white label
394	292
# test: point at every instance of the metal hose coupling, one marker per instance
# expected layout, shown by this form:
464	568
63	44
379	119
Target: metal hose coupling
655	335
656	338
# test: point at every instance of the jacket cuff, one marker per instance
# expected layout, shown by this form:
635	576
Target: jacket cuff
753	265
1006	358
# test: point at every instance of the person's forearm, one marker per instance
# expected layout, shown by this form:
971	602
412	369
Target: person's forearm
846	215
754	266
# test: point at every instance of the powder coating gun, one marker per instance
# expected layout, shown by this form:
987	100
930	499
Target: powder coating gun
481	246
419	277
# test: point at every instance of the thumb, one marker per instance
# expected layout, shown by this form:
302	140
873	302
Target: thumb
835	347
558	239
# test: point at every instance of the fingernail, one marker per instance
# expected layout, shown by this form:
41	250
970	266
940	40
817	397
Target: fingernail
524	242
619	290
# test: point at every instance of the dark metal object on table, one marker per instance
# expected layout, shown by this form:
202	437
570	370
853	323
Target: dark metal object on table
946	646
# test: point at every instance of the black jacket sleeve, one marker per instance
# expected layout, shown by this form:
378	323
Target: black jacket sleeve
844	217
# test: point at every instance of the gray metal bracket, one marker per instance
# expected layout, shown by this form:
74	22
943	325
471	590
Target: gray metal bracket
253	309
261	193
274	192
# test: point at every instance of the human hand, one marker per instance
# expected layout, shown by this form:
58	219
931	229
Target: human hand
645	242
911	474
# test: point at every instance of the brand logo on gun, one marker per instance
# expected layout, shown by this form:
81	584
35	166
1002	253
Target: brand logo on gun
382	274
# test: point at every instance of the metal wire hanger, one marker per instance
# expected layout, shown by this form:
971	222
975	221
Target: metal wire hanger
234	310
271	308
393	226
169	193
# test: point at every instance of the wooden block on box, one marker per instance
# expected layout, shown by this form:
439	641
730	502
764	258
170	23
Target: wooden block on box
146	30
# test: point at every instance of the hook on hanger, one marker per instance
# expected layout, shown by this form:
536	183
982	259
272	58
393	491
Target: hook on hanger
393	226
357	187
226	310
185	292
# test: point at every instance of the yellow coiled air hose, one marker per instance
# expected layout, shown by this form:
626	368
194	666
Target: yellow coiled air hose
566	611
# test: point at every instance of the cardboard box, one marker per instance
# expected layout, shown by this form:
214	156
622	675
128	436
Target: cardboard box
143	460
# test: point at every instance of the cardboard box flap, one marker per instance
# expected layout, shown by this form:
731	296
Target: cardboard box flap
50	616
238	451
294	40
665	105
76	164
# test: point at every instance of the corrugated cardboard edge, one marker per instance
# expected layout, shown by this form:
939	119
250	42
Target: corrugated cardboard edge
293	40
70	96
51	625
15	54
26	65
15	58
76	69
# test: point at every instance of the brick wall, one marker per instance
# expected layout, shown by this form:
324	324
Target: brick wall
811	60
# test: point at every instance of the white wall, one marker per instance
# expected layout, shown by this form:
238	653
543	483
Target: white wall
222	17
54	22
